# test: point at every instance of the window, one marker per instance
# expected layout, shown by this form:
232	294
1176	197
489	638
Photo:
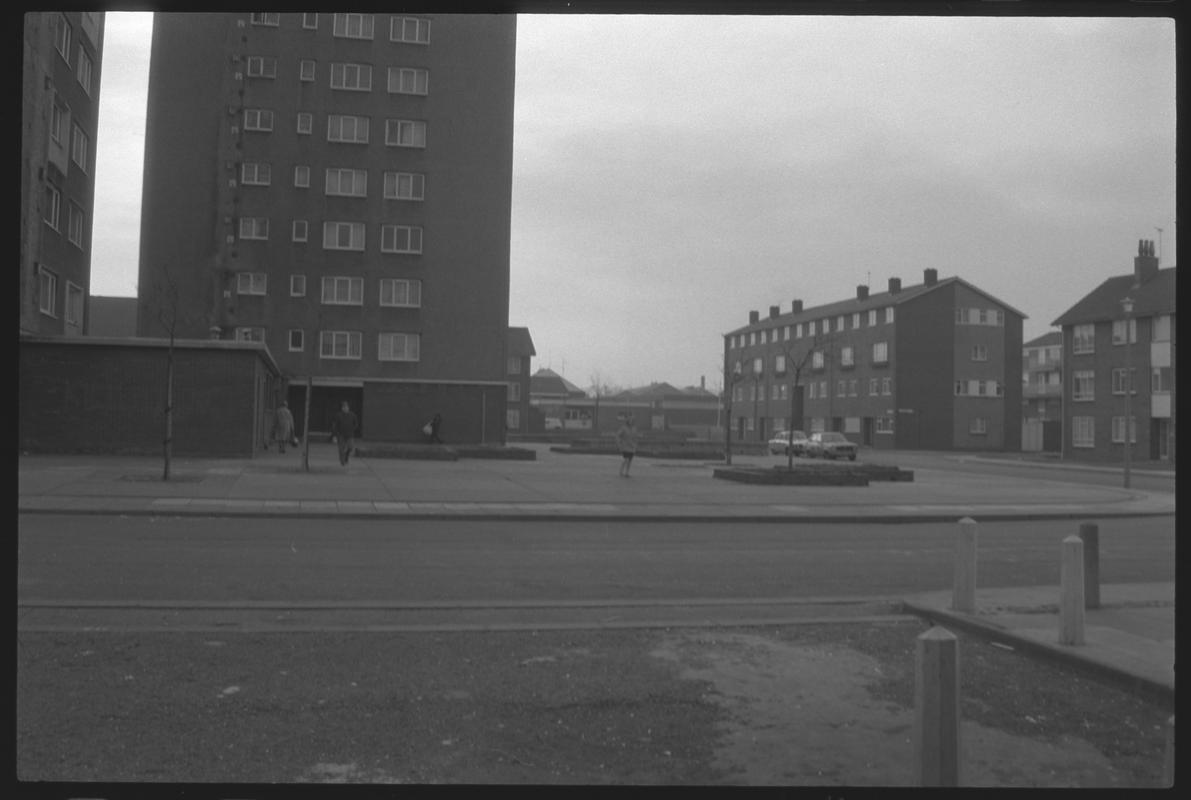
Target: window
884	424
1118	331
353	26
250	282
53	206
880	352
872	387
306	70
75	229
339	344
889	315
398	347
310	21
405	133
779	364
513	419
405	186
1083	339
979	352
1083	385
758	366
57	122
341	291
817	359
272	19
784	394
1160	330
262	67
978	425
404	293
410	30
810	328
823	389
846	357
811	392
1118	430
514	394
301	230
1120	382
347	182
74	305
400	239
302	176
764	337
305	123
872	317
297	285
1161	379
346	128
826	326
353	77
343	235
258	119
47	292
514	365
254	228
62	38
1083	431
752	337
856	320
297	340
839	322
79	142
841	388
852	387
256	174
408	80
83	71
886	386
798	331
250	334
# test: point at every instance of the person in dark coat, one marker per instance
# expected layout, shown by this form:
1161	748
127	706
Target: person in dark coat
435	424
343	427
283	427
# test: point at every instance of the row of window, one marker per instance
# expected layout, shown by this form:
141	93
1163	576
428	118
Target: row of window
47	297
342	128
976	387
52	214
1084	336
1083	382
818	359
406	239
84	65
390	346
811	328
816	390
1083	431
979	316
409	30
344	75
80	142
340	181
340	290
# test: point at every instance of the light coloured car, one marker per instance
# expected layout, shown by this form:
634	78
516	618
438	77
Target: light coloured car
783	443
830	444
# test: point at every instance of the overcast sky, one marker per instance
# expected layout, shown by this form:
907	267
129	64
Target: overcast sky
672	173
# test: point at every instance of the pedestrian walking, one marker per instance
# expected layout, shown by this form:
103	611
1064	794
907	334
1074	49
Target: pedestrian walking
283	427
432	428
626	440
343	428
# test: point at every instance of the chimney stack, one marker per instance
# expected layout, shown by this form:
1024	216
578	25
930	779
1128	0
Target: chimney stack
895	285
703	382
796	306
930	276
1145	265
775	312
862	292
754	317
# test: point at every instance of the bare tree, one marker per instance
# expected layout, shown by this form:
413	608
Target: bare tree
732	376
167	300
796	365
600	388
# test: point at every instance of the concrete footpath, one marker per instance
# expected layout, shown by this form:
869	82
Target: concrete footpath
1131	636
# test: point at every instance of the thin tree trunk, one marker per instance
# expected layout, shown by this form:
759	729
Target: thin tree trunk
306	427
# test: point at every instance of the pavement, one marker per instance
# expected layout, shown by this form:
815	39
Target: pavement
1129	637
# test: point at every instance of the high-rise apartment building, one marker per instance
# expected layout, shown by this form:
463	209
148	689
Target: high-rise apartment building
59	113
338	186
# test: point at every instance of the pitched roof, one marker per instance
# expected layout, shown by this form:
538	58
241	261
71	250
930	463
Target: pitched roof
548	382
1154	297
520	342
1046	340
878	300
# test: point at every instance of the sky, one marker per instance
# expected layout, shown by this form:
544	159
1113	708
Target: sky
672	173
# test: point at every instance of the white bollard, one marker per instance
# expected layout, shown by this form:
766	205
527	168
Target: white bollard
1071	592
936	709
963	594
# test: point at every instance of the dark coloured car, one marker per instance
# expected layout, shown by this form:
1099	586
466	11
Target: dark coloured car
830	444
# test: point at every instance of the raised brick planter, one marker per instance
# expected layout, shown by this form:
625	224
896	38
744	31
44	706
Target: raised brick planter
817	475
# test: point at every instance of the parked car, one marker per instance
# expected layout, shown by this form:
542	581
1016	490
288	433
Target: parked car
830	444
782	444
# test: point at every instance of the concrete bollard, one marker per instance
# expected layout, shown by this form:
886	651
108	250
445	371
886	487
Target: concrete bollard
963	594
1168	761
1089	532
1071	602
936	709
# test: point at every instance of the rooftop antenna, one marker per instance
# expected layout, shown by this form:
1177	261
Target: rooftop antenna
1159	244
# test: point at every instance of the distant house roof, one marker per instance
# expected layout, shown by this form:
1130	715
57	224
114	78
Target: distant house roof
548	383
878	300
662	390
1152	298
112	316
1046	340
520	342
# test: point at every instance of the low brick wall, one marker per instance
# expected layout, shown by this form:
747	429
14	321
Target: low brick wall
816	475
442	452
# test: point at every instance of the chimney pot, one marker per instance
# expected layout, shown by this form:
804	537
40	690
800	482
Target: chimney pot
754	317
861	292
930	276
895	285
775	312
1145	264
796	306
